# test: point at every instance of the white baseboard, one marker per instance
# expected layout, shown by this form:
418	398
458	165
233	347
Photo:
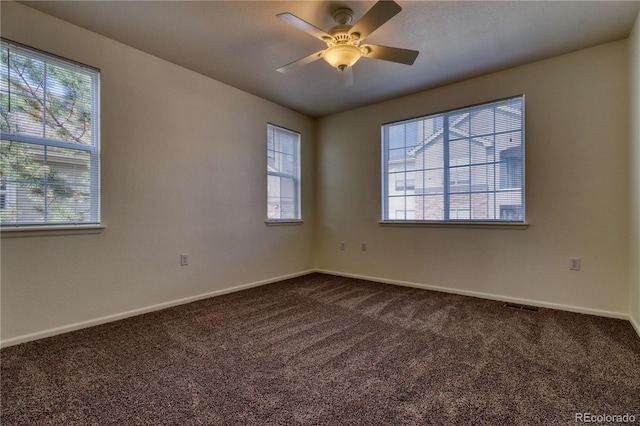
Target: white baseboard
115	317
635	324
537	303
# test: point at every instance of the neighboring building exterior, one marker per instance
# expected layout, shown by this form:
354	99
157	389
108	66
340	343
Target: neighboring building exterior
463	165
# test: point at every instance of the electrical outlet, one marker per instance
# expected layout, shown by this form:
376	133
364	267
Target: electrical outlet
574	263
184	260
364	246
343	246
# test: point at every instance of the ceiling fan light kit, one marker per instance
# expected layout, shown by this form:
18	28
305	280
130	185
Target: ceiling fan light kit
343	40
342	55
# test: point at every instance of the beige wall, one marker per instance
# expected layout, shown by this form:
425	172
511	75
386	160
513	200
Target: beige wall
634	211
183	171
577	184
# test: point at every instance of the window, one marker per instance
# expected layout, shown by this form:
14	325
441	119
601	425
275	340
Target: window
405	214
465	165
459	171
3	195
402	185
511	168
459	213
511	213
283	174
50	139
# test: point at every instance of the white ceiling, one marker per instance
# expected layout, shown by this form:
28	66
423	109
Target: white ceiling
241	43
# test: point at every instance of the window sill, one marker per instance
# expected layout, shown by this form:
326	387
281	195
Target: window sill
49	231
437	224
283	222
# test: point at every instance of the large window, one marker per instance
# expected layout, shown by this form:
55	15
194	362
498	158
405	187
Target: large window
50	139
465	165
283	174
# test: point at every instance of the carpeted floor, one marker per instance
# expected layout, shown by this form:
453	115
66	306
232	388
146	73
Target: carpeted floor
325	350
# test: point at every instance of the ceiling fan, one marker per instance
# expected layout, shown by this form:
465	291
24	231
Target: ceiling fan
343	40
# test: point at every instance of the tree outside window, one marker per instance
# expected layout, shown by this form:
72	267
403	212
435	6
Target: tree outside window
49	150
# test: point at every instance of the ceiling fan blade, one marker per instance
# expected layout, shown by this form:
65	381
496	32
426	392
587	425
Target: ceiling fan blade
302	61
303	25
393	54
345	77
380	13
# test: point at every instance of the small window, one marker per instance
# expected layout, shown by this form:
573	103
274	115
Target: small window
405	214
283	174
50	139
405	185
511	213
459	171
511	168
3	194
459	214
460	165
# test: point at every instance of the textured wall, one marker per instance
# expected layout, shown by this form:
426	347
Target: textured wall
577	190
183	171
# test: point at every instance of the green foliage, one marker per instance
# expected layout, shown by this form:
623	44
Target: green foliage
44	100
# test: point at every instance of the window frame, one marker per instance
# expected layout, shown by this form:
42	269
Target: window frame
92	149
447	187
295	175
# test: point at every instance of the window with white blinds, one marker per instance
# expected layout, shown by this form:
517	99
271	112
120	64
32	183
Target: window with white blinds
50	139
465	165
283	174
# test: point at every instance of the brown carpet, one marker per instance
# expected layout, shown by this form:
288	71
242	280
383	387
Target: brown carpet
328	350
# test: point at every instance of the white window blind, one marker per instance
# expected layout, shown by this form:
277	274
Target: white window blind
465	165
50	139
283	174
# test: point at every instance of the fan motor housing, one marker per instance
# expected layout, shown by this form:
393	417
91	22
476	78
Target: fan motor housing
343	15
340	35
